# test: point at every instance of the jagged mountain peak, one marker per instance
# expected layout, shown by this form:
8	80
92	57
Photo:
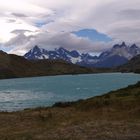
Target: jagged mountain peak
57	53
36	47
120	53
117	46
123	44
134	46
123	50
62	50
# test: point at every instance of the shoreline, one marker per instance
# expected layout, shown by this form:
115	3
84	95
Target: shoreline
56	75
67	74
65	103
115	115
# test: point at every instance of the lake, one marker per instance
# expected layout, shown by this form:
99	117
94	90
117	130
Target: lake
18	94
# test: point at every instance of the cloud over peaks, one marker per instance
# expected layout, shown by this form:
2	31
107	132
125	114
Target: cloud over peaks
51	23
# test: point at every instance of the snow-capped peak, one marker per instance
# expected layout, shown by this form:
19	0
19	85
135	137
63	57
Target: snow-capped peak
123	50
120	53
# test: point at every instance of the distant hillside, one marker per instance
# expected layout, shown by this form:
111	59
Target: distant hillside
132	66
12	66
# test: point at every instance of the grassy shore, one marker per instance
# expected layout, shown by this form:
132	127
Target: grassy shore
113	116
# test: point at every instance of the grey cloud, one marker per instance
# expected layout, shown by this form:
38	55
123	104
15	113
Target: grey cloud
19	40
120	19
19	15
68	41
51	41
20	31
130	14
11	21
127	34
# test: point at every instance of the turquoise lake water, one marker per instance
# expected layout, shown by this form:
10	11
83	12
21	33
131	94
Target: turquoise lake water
18	94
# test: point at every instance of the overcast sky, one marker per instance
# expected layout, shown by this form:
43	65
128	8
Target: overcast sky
85	25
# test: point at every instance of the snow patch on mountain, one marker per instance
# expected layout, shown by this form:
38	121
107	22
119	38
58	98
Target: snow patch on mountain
117	55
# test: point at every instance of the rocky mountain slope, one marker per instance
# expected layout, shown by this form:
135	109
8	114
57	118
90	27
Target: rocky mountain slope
132	66
13	66
118	55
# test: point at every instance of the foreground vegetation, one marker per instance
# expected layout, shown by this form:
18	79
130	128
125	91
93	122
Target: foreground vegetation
113	116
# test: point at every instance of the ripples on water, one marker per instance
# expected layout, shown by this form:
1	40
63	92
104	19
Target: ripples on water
18	94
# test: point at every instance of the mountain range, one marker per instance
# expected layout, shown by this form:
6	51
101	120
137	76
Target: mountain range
13	66
116	56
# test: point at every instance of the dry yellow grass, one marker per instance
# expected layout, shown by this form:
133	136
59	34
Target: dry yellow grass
114	116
